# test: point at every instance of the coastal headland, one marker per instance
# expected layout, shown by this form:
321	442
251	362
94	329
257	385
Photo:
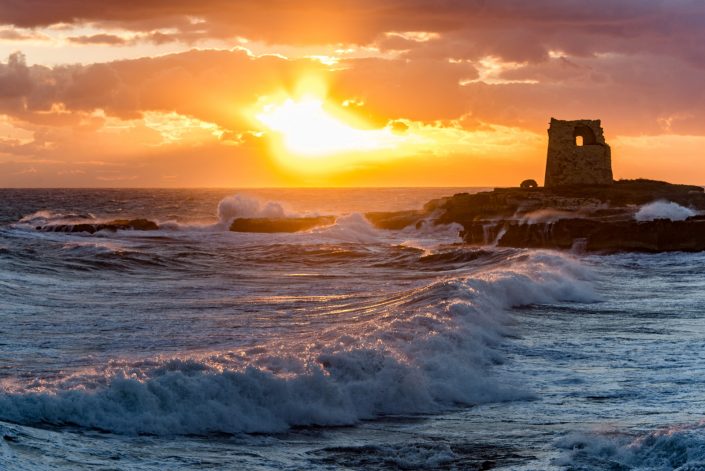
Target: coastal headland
585	217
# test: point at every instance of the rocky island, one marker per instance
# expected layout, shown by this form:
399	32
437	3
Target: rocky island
580	205
591	218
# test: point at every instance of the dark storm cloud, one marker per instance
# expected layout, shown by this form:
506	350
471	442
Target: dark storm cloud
636	63
511	29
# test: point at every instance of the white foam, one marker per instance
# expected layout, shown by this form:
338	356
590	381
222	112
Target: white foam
428	236
354	228
243	206
663	210
230	208
423	351
233	207
46	216
93	246
675	447
546	215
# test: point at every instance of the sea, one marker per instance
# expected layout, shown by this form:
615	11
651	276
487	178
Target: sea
343	347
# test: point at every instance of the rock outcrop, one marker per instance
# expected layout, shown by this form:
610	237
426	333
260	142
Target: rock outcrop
590	235
592	218
270	225
92	228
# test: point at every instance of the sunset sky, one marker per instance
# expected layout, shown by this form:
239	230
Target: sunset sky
272	93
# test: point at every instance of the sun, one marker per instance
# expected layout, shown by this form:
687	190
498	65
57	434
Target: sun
312	132
308	129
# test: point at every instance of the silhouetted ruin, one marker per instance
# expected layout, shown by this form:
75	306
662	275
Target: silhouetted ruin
577	154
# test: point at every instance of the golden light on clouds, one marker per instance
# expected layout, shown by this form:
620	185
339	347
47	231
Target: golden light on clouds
325	139
175	128
360	93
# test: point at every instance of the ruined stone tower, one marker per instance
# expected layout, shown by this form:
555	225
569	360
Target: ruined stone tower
577	154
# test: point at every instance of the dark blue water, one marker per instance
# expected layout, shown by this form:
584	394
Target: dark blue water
346	346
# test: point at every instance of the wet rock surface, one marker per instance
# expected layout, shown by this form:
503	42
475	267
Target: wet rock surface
591	217
270	225
588	217
395	220
661	235
91	228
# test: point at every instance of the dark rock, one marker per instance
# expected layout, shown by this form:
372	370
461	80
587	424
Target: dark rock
269	225
395	220
621	197
591	235
91	228
593	217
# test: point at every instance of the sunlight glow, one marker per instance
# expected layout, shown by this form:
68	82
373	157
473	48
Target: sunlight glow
308	129
312	132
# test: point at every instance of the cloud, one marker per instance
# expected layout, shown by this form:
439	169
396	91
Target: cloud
215	86
632	93
17	35
109	39
15	80
457	64
511	29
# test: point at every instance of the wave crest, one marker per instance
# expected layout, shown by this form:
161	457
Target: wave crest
663	210
425	350
242	206
674	448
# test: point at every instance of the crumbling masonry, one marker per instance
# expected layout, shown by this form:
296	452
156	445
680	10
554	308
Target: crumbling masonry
577	154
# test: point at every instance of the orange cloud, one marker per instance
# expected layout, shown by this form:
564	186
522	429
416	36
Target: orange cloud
451	75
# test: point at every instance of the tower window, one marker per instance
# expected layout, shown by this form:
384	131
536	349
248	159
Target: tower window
584	136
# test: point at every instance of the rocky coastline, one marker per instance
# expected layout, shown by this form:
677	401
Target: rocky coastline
585	217
92	228
592	218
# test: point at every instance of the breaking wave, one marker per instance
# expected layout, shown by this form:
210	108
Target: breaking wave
424	350
679	448
242	206
663	210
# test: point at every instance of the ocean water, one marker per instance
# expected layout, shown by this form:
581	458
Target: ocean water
345	347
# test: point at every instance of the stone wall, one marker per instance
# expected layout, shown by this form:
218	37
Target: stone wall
568	163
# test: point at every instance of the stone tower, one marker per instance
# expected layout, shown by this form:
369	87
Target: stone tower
577	154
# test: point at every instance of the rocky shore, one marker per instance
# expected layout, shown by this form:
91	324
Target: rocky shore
92	228
604	218
591	218
270	225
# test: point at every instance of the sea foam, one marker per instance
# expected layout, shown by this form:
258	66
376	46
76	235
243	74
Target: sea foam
663	210
425	350
242	206
672	448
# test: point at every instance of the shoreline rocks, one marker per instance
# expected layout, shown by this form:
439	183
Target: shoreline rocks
660	235
271	225
589	217
92	228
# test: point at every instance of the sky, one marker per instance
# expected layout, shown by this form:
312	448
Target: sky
274	93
